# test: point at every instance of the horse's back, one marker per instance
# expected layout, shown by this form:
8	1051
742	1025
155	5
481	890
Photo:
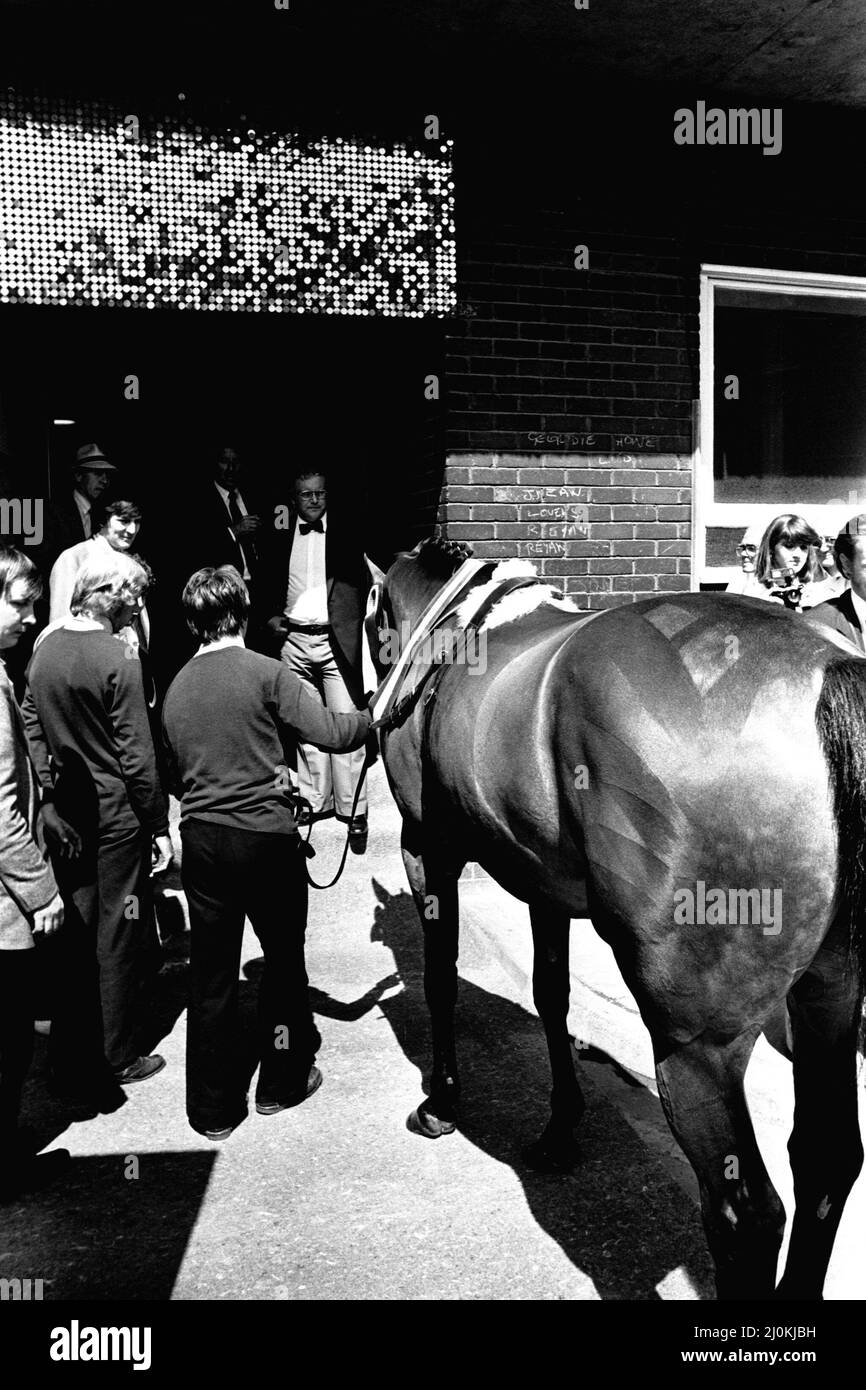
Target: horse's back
659	747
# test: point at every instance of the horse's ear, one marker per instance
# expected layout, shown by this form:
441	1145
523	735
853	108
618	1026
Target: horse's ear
377	576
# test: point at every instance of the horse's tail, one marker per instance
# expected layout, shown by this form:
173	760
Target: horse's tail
841	719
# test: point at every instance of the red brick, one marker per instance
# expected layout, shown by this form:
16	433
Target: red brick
493	550
613	566
458	492
609	600
610	530
587	584
634	513
675	583
576	476
633	477
657	566
588	548
675	547
612	494
470	530
674	513
635	547
543	476
503	477
636	583
496	511
656	494
600	514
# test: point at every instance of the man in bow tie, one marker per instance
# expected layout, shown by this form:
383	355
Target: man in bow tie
320	592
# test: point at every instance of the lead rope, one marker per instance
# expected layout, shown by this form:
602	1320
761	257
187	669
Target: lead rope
308	848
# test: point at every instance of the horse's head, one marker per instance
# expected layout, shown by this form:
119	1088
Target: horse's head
398	598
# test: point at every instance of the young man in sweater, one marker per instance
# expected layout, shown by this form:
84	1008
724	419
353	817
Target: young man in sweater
87	724
231	722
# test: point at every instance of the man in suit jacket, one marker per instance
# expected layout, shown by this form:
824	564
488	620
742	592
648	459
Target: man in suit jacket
226	528
318	592
847	611
69	518
29	901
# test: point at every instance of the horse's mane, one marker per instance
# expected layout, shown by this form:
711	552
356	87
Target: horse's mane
437	556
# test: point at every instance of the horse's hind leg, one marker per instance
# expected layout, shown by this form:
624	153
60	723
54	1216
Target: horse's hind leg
701	1090
434	888
825	1146
550	990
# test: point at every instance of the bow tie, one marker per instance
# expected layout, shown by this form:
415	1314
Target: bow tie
313	526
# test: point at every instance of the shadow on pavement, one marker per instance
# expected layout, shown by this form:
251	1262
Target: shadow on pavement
618	1217
102	1233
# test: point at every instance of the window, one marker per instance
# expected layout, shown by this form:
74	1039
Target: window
783	406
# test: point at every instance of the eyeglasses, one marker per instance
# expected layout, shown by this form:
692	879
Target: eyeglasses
747	550
308	496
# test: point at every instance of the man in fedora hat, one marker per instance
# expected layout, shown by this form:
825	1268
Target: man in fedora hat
69	518
847	611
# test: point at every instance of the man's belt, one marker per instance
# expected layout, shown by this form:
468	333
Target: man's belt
314	629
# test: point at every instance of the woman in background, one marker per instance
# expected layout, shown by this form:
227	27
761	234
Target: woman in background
788	570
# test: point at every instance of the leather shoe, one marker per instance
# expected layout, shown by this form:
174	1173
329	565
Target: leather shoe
142	1069
273	1107
217	1134
358	835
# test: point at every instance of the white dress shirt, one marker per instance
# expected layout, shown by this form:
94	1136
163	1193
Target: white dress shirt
307	594
224	496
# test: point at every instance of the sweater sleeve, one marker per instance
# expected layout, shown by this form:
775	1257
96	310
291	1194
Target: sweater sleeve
39	750
23	871
134	743
300	711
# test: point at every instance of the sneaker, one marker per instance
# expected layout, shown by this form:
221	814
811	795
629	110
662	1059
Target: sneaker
142	1069
273	1107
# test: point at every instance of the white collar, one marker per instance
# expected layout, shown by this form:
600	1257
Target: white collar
236	641
225	492
84	503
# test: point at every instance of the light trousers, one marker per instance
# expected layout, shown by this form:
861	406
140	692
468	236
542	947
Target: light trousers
326	780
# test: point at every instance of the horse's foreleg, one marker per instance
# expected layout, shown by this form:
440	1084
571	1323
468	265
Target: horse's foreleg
550	990
434	888
701	1090
825	1146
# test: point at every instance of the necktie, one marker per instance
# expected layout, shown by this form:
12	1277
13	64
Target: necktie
247	546
313	526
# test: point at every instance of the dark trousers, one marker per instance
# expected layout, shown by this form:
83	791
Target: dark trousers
229	874
17	990
101	958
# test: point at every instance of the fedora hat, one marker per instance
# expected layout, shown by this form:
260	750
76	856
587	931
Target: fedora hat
91	456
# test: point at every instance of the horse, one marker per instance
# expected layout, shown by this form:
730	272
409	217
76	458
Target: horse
689	771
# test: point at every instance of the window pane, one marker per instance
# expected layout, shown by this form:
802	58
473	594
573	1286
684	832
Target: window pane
796	428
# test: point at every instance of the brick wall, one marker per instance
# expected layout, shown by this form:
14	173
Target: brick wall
541	348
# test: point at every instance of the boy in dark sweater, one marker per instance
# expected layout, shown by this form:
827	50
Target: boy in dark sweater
231	720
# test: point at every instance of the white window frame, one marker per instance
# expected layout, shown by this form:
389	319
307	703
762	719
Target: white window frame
827	518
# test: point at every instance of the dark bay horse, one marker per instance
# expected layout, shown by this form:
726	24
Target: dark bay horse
691	769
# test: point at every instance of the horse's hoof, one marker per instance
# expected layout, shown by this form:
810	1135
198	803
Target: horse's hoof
547	1155
422	1122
